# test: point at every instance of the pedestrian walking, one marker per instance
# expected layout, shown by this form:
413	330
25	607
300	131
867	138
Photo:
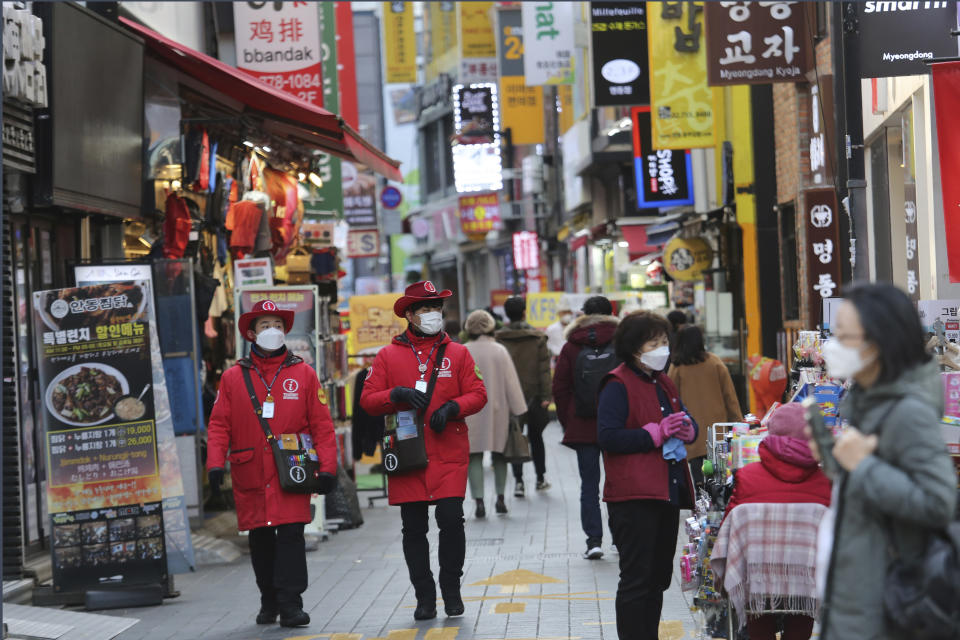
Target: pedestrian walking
592	335
399	372
706	389
292	401
786	474
556	337
643	428
528	348
897	484
488	429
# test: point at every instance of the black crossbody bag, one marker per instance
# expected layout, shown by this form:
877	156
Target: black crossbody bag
297	472
410	454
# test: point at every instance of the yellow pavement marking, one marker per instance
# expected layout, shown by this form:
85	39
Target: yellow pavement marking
515	588
510	607
345	636
322	635
515	577
583	595
443	633
400	634
671	630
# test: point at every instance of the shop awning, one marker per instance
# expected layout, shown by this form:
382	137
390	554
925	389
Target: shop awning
636	237
283	113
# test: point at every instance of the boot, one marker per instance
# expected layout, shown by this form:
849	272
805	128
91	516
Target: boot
294	617
268	610
501	506
426	601
452	602
481	510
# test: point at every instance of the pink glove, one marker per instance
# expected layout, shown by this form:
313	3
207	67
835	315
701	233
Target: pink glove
685	432
673	423
657	433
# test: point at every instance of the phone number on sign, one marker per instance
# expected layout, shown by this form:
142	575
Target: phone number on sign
293	81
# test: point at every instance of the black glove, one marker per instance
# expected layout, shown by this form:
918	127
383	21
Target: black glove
410	396
216	480
327	483
438	421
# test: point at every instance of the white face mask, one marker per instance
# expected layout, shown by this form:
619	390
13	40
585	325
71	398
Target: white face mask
842	361
565	318
431	322
270	339
656	359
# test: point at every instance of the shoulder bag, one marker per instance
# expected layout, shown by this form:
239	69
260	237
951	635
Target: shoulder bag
518	447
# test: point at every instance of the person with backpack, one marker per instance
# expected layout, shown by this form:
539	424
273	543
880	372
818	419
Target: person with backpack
528	348
585	359
896	492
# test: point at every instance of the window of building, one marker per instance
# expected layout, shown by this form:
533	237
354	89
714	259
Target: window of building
789	267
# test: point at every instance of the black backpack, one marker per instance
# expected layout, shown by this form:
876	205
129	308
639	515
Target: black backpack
593	363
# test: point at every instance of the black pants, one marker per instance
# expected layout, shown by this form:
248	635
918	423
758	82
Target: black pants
645	532
279	560
536	420
416	549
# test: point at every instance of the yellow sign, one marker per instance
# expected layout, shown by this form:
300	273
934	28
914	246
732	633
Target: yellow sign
686	258
681	101
442	52
401	42
566	117
521	110
372	321
476	30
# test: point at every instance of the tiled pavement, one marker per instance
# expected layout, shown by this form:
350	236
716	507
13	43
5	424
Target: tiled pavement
524	579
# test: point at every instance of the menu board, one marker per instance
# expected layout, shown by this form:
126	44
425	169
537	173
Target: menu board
104	492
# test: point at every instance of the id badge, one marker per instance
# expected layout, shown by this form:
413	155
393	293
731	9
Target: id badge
267	410
421	386
406	425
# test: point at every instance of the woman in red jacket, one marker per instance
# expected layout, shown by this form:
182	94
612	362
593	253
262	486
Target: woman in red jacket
786	473
390	387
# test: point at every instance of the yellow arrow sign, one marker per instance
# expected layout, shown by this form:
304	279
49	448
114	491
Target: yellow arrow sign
516	577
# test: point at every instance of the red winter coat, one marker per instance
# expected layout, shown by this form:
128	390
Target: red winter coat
577	430
300	408
786	473
448	453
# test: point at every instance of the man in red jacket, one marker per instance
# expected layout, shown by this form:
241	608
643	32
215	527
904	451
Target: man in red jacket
292	402
594	330
396	382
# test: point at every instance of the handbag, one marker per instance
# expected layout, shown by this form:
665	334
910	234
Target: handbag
518	447
297	468
404	446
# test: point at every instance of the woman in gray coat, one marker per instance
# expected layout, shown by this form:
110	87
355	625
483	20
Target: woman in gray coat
897	480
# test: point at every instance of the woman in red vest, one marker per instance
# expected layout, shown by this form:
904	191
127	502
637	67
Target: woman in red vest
642	429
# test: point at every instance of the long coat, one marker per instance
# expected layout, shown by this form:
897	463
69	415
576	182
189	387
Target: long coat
488	429
528	348
706	390
300	407
448	452
905	489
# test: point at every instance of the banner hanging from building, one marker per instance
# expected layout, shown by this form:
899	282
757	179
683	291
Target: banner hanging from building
946	97
279	43
521	107
549	42
442	50
479	214
478	46
526	251
900	38
824	272
621	62
757	43
104	493
664	177
681	101
400	42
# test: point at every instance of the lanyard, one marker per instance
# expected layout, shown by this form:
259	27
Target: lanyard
423	364
269	397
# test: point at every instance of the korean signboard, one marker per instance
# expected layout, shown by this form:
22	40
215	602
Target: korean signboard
478	47
363	243
900	38
823	249
549	42
621	64
279	43
686	258
681	101
757	43
911	227
941	318
400	42
477	164
521	107
526	251
359	195
372	321
474	113
946	96
104	493
301	340
443	37
821	131
479	214
664	177
253	272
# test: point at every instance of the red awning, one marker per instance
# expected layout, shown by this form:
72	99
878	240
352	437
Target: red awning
636	236
285	114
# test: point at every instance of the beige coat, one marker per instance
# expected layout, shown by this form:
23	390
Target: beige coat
488	429
706	390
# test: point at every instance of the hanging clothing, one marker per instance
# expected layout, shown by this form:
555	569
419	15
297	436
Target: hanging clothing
176	227
213	165
203	179
247	217
193	146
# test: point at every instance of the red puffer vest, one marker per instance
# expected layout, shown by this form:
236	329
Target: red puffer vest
641	476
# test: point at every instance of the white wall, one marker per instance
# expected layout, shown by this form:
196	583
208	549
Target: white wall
179	21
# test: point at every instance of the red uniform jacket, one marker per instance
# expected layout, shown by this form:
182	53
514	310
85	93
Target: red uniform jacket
786	473
448	453
301	407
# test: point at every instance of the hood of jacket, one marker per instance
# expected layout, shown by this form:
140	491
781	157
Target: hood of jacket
519	331
788	459
922	381
604	326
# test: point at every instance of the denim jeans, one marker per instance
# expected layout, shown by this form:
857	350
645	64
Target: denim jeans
588	460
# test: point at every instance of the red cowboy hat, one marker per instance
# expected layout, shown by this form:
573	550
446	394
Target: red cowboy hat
265	308
418	292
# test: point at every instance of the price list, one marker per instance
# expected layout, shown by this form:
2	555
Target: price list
102	454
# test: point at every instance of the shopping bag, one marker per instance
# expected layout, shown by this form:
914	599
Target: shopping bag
518	447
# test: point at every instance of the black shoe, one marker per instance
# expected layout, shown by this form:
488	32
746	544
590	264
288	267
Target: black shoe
425	611
501	506
267	615
481	510
453	603
294	618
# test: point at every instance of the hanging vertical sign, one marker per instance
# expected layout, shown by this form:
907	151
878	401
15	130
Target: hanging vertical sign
946	97
279	43
910	205
549	42
478	47
823	249
327	199
526	250
621	64
477	163
681	100
521	107
346	63
442	51
400	42
821	131
664	177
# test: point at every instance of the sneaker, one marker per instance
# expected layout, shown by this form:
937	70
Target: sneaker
594	551
542	484
519	490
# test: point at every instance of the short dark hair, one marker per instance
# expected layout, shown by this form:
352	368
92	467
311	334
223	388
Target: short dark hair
416	306
515	307
597	306
635	330
890	321
688	346
677	318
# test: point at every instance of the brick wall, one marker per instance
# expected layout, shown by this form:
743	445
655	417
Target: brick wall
785	106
